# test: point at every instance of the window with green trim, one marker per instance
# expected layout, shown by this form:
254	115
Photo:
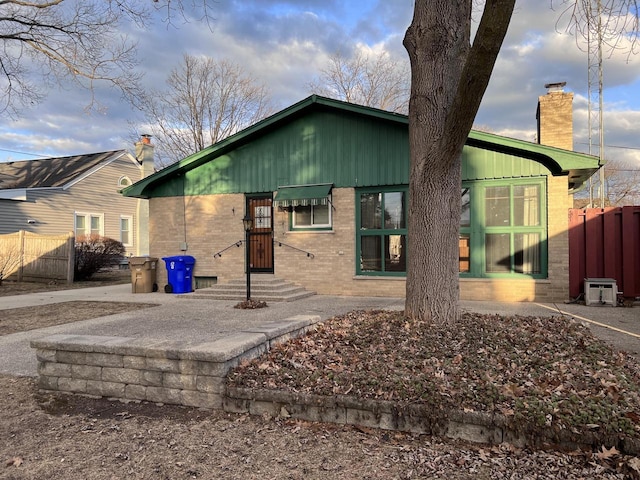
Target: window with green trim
503	228
381	216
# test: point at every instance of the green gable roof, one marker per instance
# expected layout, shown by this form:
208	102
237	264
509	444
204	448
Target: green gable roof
325	141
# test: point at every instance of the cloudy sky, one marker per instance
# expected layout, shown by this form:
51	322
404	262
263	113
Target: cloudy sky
285	44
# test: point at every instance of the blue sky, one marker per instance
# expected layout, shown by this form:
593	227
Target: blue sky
286	43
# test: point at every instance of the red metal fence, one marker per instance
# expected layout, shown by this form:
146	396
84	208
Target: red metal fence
605	243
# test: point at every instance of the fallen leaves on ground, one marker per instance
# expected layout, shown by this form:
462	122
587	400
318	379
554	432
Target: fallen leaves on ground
70	437
539	372
14	462
250	304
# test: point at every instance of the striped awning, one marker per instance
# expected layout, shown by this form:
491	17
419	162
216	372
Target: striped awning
302	195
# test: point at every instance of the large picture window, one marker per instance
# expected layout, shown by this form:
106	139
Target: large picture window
503	228
382	231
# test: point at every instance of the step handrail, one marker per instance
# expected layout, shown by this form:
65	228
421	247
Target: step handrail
280	244
234	244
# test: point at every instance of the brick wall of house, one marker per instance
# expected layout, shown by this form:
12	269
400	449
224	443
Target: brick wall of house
332	270
215	222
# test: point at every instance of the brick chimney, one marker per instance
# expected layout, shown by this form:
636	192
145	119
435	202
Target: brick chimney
144	155
555	117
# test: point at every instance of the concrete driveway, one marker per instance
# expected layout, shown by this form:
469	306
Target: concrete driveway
179	317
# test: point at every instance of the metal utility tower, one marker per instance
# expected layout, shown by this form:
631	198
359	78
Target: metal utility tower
594	89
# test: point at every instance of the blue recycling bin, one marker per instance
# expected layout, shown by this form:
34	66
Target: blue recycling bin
179	273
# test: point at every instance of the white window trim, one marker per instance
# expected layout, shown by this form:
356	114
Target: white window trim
313	225
124	181
130	218
87	220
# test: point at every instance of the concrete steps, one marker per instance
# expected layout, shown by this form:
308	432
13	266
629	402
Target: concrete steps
267	288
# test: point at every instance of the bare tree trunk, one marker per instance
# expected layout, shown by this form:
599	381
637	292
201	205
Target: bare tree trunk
448	81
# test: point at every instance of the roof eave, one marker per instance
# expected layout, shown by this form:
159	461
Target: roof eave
15	194
579	167
579	178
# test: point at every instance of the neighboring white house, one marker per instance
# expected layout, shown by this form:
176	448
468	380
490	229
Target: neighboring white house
79	194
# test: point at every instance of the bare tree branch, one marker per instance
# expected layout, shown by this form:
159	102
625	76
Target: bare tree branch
205	101
46	43
57	41
618	23
622	180
10	257
376	81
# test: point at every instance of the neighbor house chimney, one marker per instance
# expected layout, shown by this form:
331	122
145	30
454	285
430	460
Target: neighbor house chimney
555	117
144	155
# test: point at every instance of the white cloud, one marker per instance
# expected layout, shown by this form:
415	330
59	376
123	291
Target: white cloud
286	43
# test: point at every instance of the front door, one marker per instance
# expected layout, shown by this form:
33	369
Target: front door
261	238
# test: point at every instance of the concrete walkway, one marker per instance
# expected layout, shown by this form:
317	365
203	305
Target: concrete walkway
178	317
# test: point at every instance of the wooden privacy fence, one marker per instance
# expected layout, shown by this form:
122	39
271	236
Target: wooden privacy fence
605	243
33	257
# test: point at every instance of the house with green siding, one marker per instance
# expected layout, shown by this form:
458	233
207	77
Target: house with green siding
326	184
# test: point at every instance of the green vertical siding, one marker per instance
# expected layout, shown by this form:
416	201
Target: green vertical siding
481	164
335	147
322	147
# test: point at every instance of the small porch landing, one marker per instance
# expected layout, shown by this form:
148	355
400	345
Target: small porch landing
265	287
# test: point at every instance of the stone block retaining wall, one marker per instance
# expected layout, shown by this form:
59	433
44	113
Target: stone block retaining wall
193	374
475	427
162	371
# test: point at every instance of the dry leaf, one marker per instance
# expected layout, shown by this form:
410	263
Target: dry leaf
634	464
606	453
634	417
512	390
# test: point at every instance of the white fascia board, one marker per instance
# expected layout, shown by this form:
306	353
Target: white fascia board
17	194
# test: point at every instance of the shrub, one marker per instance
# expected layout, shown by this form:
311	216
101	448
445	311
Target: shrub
10	259
94	253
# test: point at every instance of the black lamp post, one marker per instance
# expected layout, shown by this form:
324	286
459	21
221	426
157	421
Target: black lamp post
247	222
